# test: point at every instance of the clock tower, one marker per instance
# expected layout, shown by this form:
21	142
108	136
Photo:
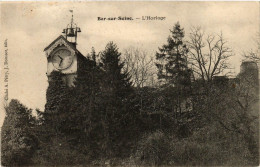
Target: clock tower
63	56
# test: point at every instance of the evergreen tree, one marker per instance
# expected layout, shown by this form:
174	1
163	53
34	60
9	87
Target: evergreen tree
117	93
88	112
18	142
94	55
172	65
172	59
117	81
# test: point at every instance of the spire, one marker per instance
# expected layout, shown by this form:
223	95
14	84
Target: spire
72	30
71	17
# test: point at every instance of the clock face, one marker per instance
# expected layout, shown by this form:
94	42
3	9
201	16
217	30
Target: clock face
62	59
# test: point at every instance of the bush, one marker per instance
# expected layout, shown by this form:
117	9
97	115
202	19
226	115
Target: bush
58	152
223	147
208	146
17	139
153	149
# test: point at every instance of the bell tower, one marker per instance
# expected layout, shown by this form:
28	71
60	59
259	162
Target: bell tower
63	56
71	32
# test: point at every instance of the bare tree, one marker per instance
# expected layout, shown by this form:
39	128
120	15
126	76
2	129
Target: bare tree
254	54
208	56
140	66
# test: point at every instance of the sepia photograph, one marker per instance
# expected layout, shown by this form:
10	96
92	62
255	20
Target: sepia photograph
131	84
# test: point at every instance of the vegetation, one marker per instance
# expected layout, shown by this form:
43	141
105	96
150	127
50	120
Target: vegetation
18	141
117	115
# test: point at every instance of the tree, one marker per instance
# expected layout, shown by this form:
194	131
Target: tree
88	111
18	142
55	96
234	106
247	105
172	59
237	112
93	55
118	80
254	54
208	57
117	106
251	55
140	67
56	126
173	68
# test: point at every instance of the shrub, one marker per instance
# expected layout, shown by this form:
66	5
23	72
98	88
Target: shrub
153	149
208	146
17	139
58	152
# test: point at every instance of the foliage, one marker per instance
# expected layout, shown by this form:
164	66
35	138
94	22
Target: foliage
208	146
55	102
117	97
173	68
105	119
88	112
212	146
59	152
18	142
118	81
153	149
56	122
231	106
172	59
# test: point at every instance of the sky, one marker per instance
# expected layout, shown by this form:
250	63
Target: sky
31	26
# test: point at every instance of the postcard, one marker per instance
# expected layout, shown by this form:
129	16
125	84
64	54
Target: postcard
120	83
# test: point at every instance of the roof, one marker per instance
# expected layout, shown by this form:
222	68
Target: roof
69	43
61	36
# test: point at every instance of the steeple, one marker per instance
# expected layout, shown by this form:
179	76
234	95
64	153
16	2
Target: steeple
72	30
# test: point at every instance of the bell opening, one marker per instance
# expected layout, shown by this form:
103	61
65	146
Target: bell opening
71	33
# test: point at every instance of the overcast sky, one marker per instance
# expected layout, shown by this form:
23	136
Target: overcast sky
30	27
